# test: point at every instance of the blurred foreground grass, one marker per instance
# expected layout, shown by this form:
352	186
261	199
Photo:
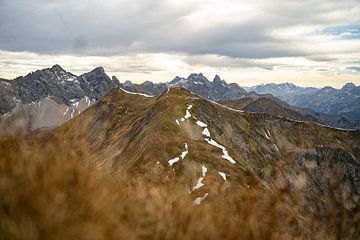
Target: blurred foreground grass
51	192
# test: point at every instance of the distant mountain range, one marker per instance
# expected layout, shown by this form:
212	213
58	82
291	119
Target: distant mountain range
267	103
280	89
343	102
51	96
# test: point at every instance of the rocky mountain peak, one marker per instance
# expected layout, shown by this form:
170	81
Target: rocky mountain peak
115	79
57	68
217	78
348	86
98	71
197	76
175	80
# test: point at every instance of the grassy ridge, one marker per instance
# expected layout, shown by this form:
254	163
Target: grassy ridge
51	192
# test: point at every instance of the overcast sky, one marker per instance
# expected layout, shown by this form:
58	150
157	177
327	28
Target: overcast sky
307	42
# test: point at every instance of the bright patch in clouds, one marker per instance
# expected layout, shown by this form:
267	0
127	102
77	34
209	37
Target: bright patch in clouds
308	42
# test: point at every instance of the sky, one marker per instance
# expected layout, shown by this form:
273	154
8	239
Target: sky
250	42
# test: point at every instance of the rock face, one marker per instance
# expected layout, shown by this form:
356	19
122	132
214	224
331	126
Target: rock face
45	113
197	83
7	101
52	88
64	87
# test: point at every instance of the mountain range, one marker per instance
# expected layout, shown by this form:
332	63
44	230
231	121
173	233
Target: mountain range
181	134
344	102
267	103
182	130
202	148
51	96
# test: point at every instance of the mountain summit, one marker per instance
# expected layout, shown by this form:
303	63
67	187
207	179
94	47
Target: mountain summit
197	83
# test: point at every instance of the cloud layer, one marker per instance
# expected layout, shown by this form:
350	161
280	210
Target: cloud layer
307	36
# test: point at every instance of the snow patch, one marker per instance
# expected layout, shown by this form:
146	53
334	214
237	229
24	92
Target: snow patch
277	149
201	124
72	113
267	136
173	161
184	153
67	109
75	104
198	200
203	170
70	79
206	132
177	122
199	183
223	175
225	155
141	94
88	101
182	156
187	114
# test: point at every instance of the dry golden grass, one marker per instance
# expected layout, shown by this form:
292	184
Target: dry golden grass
50	192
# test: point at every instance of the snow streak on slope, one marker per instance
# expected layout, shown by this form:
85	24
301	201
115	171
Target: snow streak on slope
188	114
198	200
201	124
223	175
133	93
225	152
182	156
199	183
208	139
206	132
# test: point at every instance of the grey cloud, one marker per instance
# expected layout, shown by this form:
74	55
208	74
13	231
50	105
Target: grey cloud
217	61
89	27
356	69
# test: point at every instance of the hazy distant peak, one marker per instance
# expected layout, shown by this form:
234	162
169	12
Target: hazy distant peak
348	86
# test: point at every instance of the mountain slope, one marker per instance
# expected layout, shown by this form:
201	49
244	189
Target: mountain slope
171	156
267	103
179	133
